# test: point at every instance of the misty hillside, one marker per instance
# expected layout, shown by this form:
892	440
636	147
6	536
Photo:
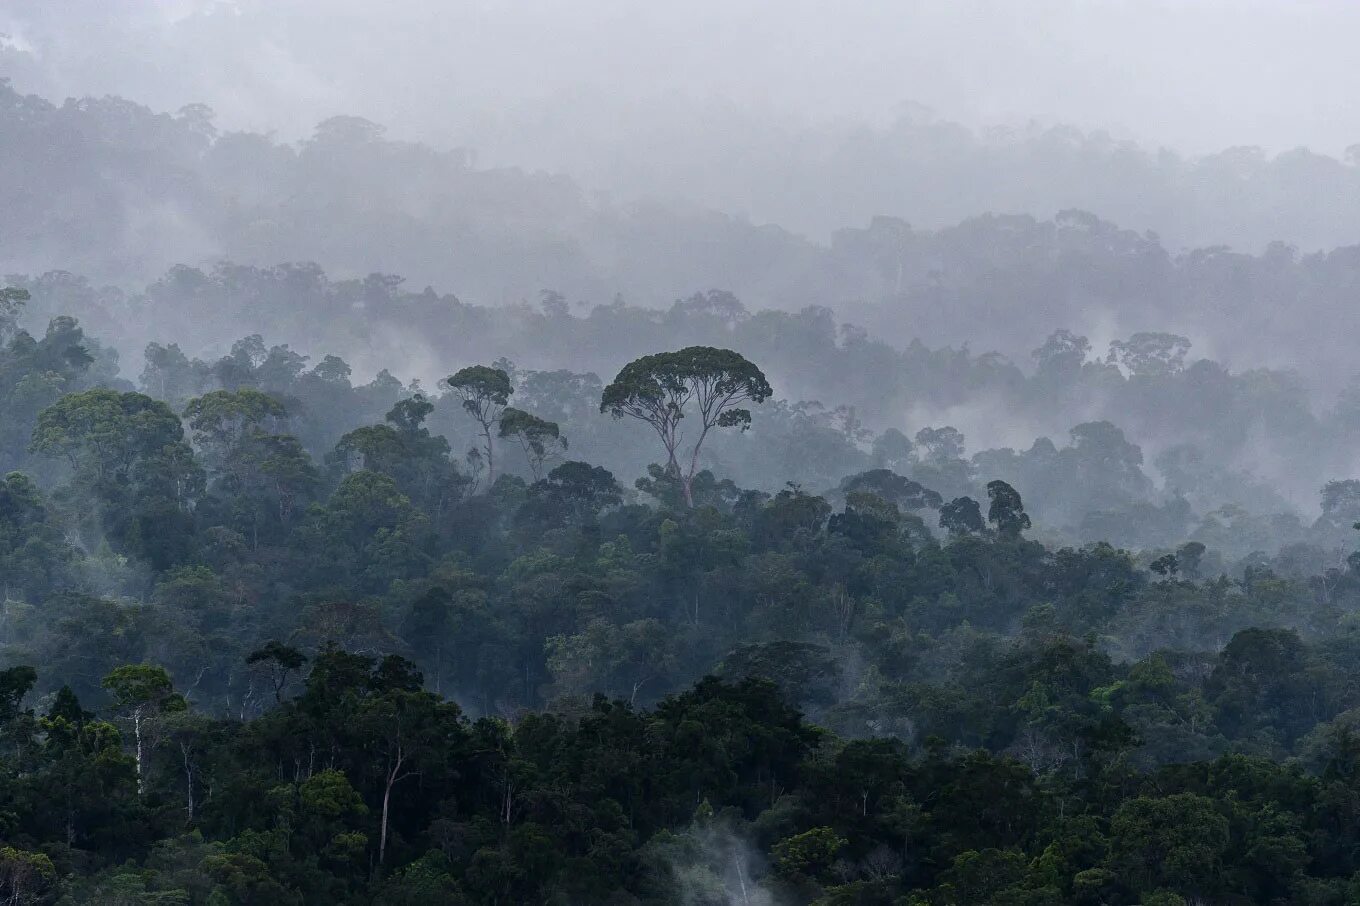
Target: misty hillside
117	193
305	638
1144	443
817	178
1243	358
609	461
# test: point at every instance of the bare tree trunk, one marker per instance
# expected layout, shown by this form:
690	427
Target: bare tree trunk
188	779
670	441
137	732
490	457
392	778
741	879
688	481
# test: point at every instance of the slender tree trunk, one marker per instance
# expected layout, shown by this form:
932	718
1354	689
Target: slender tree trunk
741	880
688	481
637	687
392	778
669	439
490	457
382	843
188	779
137	732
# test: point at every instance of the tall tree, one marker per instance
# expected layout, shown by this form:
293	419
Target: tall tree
962	516
107	434
541	439
657	389
128	453
406	451
223	419
35	553
486	392
143	691
282	661
1007	511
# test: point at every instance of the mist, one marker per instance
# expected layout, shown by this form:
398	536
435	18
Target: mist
672	454
771	114
1198	77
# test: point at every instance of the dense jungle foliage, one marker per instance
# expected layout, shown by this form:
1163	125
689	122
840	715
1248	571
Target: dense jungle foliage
269	636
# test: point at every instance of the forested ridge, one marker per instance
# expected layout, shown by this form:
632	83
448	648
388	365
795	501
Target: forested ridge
1256	258
270	635
1141	440
679	454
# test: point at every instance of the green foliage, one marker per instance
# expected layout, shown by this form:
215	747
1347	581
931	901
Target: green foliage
137	685
128	453
269	654
1178	842
658	389
485	391
220	419
1006	512
962	516
481	385
541	440
105	433
25	877
36	558
809	853
12	298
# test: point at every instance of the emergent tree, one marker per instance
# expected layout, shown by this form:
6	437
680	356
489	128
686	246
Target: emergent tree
486	392
657	389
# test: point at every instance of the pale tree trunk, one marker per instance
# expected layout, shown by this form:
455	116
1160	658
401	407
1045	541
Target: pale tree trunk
741	880
392	777
188	779
137	732
670	441
688	480
490	457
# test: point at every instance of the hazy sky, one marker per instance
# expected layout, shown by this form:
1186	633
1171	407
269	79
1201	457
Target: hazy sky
506	76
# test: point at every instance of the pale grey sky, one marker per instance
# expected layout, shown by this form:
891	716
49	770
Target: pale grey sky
1197	75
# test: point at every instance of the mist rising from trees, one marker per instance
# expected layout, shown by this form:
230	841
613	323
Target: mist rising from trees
639	454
